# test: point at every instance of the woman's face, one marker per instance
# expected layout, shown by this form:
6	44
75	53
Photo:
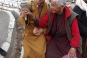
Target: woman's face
40	1
55	8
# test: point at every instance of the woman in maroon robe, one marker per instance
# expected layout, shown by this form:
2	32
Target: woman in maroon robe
58	32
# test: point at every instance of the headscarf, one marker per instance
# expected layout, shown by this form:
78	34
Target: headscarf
82	5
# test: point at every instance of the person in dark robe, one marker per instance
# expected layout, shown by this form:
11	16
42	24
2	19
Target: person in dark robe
59	41
81	9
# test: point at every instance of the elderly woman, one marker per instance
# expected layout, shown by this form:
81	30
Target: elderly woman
63	33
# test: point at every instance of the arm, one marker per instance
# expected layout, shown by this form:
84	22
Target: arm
40	23
21	19
82	28
75	40
43	22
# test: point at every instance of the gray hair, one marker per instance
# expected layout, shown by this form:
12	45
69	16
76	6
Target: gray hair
60	2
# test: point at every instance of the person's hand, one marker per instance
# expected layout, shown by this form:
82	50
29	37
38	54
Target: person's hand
72	53
38	31
27	12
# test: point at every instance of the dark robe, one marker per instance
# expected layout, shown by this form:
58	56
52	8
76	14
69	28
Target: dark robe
82	24
59	45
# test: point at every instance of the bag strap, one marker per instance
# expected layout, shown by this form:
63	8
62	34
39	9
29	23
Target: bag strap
31	10
31	6
49	17
70	19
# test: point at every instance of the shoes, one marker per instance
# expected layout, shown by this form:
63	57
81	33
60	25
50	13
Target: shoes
2	52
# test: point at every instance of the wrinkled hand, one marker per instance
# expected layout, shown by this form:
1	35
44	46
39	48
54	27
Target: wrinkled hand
72	53
26	12
38	31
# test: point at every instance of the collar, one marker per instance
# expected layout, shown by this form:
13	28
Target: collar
38	5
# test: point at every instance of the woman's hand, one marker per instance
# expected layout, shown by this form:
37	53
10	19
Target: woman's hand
72	53
38	31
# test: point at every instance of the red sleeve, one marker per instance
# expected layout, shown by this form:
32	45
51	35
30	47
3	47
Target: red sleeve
75	40
43	22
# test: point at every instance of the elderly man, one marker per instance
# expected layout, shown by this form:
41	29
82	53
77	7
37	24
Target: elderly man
63	33
34	46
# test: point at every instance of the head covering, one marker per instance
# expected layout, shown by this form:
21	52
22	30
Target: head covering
82	5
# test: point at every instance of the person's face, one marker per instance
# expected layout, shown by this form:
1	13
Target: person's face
40	1
85	1
55	8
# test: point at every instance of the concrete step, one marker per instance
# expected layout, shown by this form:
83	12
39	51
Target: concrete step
7	23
